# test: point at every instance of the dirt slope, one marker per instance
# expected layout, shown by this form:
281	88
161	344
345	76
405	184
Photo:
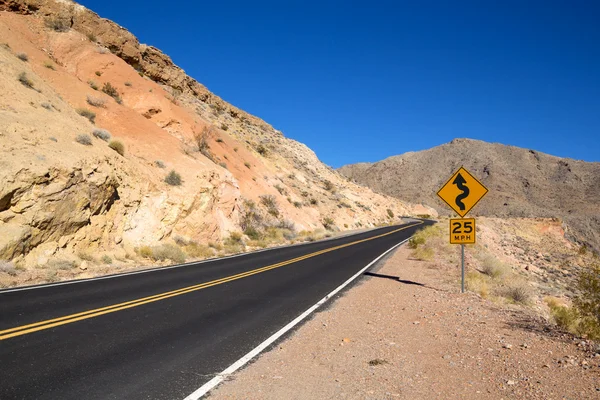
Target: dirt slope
59	196
522	182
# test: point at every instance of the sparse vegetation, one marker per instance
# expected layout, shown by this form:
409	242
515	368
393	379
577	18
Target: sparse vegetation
86	256
58	24
224	127
106	259
297	204
328	223
98	73
145	251
102	134
96	101
493	267
223	165
160	164
128	84
84	139
196	250
201	140
313	201
84	112
173	178
167	251
92	37
262	150
280	189
117	146
49	65
247	164
219	140
47	106
390	213
377	361
328	185
110	90
517	291
23	57
93	85
270	203
25	81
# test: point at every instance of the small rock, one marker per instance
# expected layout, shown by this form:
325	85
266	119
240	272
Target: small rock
416	323
507	346
83	266
511	382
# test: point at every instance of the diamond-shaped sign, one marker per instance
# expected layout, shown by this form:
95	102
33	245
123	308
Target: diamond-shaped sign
462	192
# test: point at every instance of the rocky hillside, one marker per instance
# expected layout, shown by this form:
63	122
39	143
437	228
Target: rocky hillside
109	146
522	183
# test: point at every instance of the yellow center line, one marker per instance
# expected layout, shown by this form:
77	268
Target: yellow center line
67	319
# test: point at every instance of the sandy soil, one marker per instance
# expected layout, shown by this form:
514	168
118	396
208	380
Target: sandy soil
419	338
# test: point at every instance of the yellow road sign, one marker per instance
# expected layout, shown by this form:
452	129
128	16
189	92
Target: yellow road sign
462	192
462	231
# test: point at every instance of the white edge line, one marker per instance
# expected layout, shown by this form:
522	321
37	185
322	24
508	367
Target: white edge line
208	260
208	386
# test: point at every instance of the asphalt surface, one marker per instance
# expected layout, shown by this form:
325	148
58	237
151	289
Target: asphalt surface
166	348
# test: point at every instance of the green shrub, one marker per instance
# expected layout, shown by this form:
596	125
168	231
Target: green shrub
117	146
173	178
84	139
106	259
423	253
168	251
86	256
25	81
587	302
235	237
84	112
91	37
270	203
415	241
280	188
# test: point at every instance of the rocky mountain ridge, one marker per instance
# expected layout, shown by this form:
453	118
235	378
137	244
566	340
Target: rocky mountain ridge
522	183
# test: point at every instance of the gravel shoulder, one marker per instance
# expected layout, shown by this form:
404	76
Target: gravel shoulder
417	337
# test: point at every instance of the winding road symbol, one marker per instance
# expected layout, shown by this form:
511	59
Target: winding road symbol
462	192
461	184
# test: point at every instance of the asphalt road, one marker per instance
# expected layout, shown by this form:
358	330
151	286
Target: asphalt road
163	334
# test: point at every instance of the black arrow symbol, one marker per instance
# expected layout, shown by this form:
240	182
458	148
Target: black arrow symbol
460	182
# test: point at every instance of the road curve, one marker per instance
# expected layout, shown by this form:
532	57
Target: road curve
164	333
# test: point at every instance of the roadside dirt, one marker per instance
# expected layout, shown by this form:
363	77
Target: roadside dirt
419	338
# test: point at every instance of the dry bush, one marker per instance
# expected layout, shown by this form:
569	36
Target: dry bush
587	302
47	106
253	233
86	256
84	139
106	259
173	178
247	164
423	253
58	23
102	134
262	150
145	251
84	112
390	213
8	268
110	90
49	65
117	146
478	283
328	185
270	203
196	250
25	81
23	57
160	164
93	84
517	291
96	101
61	265
493	267
328	223
168	251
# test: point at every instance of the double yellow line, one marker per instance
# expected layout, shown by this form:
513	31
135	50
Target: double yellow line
67	319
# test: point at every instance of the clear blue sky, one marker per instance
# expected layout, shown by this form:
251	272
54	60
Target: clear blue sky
361	81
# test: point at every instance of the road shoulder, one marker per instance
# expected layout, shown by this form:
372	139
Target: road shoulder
417	338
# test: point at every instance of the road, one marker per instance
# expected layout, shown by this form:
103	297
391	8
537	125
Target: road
162	334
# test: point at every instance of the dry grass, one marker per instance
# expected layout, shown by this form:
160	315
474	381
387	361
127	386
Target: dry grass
25	81
477	283
168	251
493	267
96	101
196	250
102	134
84	112
117	146
84	139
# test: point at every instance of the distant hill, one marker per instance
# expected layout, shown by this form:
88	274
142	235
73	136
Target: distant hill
522	182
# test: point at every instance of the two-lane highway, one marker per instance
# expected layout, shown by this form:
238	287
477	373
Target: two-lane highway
162	334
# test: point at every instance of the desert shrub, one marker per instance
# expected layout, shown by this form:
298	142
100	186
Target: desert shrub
235	149
423	253
587	302
196	250
168	251
223	165
262	150
117	146
423	216
96	101
247	164
219	140
173	178
106	259
47	106
253	233
297	204
493	267
84	112
415	241
328	185
328	222
128	84
160	164
98	73
270	203
23	57
478	283
61	264
25	81
91	37
58	24
313	201
390	213
216	246
224	127
49	65
93	85
110	90
86	256
280	188
234	237
53	139
102	134
8	268
517	291
84	139
145	251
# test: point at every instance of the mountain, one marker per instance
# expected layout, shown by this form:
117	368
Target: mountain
108	146
521	182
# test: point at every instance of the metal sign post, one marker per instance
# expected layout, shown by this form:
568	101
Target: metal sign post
462	192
